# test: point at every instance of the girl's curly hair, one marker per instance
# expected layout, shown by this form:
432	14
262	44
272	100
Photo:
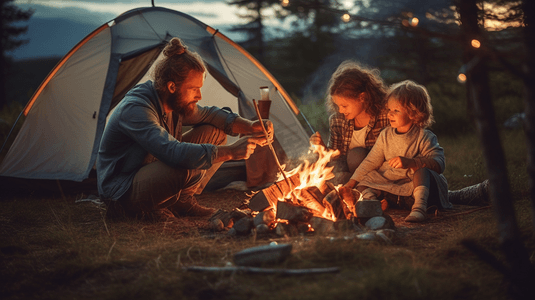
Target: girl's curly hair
352	79
415	99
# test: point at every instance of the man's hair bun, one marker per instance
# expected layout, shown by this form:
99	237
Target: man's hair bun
175	47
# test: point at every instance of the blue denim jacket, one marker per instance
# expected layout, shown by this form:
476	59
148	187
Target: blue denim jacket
138	127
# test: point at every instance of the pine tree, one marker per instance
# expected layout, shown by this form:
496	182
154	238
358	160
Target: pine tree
9	14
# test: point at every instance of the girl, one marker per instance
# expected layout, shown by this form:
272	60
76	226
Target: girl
406	160
356	100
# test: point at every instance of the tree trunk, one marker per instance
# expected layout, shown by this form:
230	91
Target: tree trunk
529	97
521	271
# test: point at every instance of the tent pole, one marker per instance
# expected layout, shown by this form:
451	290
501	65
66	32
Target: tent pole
306	120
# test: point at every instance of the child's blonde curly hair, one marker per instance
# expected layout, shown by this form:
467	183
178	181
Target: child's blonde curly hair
415	99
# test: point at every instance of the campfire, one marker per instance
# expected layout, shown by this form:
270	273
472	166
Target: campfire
300	201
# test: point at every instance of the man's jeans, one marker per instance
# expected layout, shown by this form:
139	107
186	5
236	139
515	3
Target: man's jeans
157	186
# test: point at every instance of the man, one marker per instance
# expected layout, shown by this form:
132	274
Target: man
145	165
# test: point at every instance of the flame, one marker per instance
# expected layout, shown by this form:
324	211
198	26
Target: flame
313	174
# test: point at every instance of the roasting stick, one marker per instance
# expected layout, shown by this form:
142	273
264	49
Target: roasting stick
271	148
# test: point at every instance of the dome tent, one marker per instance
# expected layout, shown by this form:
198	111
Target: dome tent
65	118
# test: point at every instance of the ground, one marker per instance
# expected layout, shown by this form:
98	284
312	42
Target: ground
438	223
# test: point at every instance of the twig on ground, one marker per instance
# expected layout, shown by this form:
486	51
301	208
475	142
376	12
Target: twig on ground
256	270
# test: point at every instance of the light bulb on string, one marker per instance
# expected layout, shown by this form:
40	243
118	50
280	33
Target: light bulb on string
461	78
414	22
285	3
475	43
346	17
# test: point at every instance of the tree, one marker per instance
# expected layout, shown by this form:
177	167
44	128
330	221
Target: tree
314	37
254	29
9	14
519	270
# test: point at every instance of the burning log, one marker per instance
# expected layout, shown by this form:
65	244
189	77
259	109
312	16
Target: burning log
292	212
269	196
311	197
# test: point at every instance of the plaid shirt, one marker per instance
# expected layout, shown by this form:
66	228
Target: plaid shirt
341	131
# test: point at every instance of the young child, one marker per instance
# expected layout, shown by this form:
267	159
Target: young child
406	160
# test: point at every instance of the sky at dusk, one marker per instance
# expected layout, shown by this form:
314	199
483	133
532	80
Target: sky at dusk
57	26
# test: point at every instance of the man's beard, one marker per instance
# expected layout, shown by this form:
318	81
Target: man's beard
178	106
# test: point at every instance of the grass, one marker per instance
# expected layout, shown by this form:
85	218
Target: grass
52	248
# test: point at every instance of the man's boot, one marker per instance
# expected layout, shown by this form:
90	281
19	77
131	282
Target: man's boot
476	195
187	206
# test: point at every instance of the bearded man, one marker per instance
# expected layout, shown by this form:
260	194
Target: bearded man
146	167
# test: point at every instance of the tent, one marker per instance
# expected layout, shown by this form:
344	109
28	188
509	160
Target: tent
66	116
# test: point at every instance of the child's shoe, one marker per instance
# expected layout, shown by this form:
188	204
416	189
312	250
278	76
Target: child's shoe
418	211
416	215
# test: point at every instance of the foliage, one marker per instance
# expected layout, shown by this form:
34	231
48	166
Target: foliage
254	29
9	15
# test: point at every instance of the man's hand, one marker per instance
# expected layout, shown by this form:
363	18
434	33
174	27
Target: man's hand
241	149
401	162
259	132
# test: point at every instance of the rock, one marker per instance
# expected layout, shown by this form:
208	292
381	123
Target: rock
266	217
217	225
286	229
381	222
262	228
322	225
261	255
368	236
243	226
368	208
383	236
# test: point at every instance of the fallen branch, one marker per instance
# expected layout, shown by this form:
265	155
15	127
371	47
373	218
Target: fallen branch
256	270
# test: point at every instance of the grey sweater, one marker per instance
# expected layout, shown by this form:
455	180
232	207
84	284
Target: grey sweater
419	144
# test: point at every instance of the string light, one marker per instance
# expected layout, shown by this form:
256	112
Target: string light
285	3
414	22
475	43
461	78
346	17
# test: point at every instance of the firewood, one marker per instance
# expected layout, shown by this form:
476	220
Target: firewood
292	212
311	197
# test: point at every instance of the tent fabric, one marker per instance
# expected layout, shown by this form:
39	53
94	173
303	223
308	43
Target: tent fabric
65	118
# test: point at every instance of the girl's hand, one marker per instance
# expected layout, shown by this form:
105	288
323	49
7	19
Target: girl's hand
350	184
315	139
401	162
